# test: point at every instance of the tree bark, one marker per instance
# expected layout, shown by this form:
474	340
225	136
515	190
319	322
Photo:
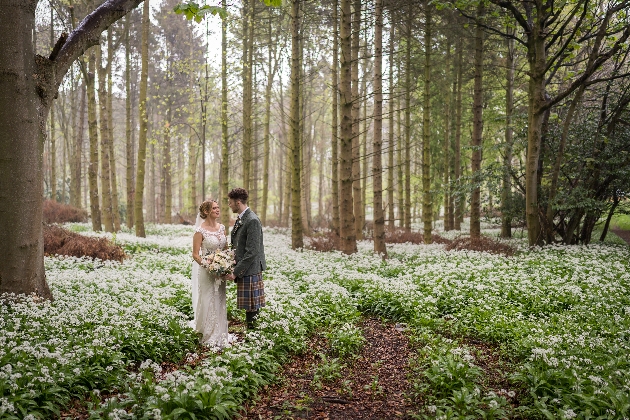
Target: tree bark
477	133
407	157
446	150
129	149
297	240
457	201
377	167
53	137
247	93
106	195
168	182
506	187
335	119
110	125
356	149
95	209
142	137
346	215
225	154
390	151
266	135
427	202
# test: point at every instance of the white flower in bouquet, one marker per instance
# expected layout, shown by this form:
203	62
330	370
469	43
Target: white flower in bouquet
221	262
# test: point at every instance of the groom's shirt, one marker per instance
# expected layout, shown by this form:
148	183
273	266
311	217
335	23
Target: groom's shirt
240	216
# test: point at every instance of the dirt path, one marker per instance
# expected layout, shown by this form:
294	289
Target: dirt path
371	387
623	234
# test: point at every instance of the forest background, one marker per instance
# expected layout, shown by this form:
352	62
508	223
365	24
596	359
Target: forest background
358	116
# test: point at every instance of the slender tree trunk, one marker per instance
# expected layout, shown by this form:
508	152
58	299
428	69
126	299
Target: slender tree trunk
297	240
346	215
129	149
168	181
458	202
477	133
53	137
390	152
377	167
506	188
335	119
95	209
408	87
142	138
110	125
400	162
447	139
536	57
427	203
106	195
253	183
356	149
611	212
267	146
364	153
78	150
247	92
225	154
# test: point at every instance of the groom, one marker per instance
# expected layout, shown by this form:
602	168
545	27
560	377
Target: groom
247	241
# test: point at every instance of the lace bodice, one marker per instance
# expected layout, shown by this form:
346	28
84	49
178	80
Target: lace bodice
212	240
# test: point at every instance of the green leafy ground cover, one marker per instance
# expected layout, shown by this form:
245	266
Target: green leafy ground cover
560	315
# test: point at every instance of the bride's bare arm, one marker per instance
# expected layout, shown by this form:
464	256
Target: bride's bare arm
197	238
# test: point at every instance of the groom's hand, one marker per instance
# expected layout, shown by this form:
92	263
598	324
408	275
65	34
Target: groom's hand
230	277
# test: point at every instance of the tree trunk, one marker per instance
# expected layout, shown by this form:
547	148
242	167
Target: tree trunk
536	57
76	177
335	119
400	162
390	151
447	140
225	154
407	166
297	240
95	209
377	167
611	212
168	183
477	133
364	153
247	93
53	137
129	149
427	203
506	187
21	171
457	201
142	137
110	125
356	150
106	195
266	146
346	216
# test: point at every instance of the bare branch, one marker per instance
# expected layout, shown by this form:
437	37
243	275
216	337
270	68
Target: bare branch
88	32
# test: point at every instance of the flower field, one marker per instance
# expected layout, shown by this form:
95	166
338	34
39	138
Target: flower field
558	317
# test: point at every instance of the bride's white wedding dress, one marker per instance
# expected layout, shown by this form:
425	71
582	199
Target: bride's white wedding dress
208	294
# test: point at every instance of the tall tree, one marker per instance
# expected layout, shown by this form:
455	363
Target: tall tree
335	119
477	131
506	186
377	167
297	240
28	85
346	214
106	194
95	209
225	213
457	199
407	157
356	149
427	203
129	144
390	146
142	136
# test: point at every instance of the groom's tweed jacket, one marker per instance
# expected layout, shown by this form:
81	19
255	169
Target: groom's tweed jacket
247	241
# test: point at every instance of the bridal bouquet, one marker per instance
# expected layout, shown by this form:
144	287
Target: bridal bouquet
220	262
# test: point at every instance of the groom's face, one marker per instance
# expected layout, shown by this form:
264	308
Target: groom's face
234	205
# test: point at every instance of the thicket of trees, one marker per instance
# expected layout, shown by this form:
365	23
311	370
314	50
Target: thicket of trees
356	115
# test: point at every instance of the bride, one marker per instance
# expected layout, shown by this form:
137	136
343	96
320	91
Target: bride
208	290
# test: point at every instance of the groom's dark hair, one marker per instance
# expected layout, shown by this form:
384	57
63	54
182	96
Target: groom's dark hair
239	194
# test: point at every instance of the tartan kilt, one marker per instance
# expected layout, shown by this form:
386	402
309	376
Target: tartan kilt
250	292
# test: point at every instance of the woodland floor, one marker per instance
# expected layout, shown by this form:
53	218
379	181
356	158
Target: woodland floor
373	386
623	234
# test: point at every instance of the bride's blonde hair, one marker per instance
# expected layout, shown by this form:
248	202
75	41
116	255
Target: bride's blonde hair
206	207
